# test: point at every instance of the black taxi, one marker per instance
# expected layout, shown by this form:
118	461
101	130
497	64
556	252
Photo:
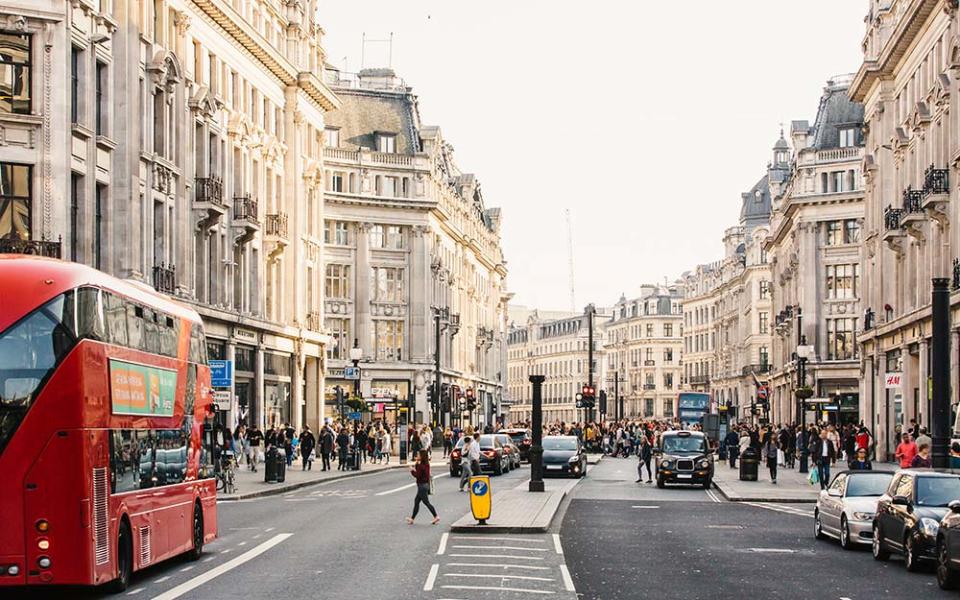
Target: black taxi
684	457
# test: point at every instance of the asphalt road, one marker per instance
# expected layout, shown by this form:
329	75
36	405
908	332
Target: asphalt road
638	542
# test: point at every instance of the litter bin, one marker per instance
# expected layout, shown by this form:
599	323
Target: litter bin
749	464
281	468
270	465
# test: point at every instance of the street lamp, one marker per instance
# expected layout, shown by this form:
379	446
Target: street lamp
356	353
804	353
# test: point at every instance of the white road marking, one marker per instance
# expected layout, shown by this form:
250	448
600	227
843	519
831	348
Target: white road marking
208	559
498	556
497	589
242	544
493	537
500	576
713	496
567	580
644	506
269	529
258	536
772	550
227	551
556	543
781	509
528	567
192	584
402	487
162	579
187	568
500	548
443	543
431	578
133	592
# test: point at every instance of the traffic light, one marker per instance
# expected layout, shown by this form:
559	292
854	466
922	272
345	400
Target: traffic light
445	396
586	398
603	401
471	400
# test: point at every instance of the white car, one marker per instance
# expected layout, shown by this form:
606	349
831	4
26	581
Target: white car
845	509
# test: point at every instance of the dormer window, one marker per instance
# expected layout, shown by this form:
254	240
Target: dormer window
331	137
386	142
848	137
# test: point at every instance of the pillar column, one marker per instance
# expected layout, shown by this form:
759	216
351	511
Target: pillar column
922	377
258	388
234	404
421	323
364	323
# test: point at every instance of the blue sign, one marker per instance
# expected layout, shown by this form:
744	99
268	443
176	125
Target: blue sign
351	373
353	416
480	488
221	373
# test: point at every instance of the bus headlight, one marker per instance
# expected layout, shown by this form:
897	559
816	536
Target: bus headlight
13	570
43	544
44	562
43	526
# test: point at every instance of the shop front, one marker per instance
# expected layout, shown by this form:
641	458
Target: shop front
277	379
386	398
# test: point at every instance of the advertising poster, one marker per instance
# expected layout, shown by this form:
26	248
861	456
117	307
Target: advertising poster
141	390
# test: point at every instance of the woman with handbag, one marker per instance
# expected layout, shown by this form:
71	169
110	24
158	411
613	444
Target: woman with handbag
421	472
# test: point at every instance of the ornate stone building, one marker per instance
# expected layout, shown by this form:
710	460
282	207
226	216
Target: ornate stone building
408	239
815	248
177	143
907	83
643	354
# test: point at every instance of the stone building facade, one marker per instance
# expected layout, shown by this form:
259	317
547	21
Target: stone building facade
559	350
408	239
907	83
643	353
176	143
815	248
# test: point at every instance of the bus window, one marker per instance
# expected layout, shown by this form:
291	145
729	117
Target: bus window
90	314
115	319
190	393
169	334
131	460
171	452
135	327
198	344
151	331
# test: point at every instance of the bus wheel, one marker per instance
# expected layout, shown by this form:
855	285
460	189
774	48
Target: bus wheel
197	549
124	559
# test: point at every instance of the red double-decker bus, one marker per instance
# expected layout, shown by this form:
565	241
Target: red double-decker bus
105	427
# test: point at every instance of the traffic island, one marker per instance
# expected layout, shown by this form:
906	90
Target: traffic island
792	486
251	484
517	510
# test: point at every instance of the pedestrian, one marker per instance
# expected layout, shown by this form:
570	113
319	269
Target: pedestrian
955	455
922	459
326	446
860	461
465	468
343	446
447	442
905	452
924	438
385	445
732	441
421	472
824	455
361	439
254	439
307	443
644	454
770	450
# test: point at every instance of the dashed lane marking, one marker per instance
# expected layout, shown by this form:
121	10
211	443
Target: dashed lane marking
474	564
772	550
192	584
431	578
567	580
645	506
500	548
556	543
496	589
187	568
493	537
498	556
443	543
162	579
134	592
500	576
208	559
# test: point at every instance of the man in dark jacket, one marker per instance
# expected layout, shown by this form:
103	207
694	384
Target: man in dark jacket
824	454
732	442
860	462
343	444
307	443
361	440
326	446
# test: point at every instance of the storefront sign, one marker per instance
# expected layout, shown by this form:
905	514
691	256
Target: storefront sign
141	390
390	390
223	399
893	381
244	334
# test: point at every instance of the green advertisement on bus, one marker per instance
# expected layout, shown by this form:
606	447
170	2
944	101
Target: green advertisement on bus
141	390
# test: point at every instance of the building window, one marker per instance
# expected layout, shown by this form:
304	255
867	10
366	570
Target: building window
386	142
388	340
834	233
764	289
648	407
15	73
377	238
763	256
764	322
336	233
15	201
841	344
764	356
668	407
101	111
394	237
836	179
387	284
76	184
74	86
337	181
331	137
337	284
668	381
668	330
99	199
851	231
339	347
668	355
843	281
649	329
848	137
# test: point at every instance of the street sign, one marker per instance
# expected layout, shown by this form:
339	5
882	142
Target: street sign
351	373
480	498
353	416
221	373
223	399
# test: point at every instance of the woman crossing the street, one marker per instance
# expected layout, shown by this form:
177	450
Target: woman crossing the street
421	472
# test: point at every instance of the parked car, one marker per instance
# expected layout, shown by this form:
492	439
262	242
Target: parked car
564	455
512	450
948	548
522	439
493	456
456	455
909	513
684	457
846	508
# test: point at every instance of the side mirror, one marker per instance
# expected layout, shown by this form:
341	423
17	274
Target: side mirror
954	506
834	493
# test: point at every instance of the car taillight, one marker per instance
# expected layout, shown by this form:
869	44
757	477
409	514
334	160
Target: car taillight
526	442
489	453
455	454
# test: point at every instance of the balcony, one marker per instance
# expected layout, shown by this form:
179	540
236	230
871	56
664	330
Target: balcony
699	379
30	247
165	278
275	232
314	322
936	189
246	217
956	274
649	386
892	230
757	369
208	196
913	216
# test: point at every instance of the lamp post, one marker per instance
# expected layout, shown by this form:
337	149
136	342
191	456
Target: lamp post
804	352
536	448
356	353
940	371
590	311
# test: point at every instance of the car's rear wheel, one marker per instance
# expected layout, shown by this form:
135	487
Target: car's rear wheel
947	578
845	542
818	526
879	552
910	559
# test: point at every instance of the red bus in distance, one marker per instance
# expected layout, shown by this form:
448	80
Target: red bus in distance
105	427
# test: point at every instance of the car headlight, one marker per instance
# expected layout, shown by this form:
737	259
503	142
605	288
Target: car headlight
574	459
666	464
929	527
863	516
703	463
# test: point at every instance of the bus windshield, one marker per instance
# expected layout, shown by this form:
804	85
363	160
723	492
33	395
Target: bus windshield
29	351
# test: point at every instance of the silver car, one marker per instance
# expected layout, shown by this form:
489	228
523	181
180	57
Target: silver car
845	509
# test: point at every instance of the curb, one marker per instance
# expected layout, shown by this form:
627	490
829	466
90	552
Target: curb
284	488
484	529
737	498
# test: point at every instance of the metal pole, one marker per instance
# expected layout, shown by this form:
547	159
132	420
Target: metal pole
940	371
590	311
536	449
436	378
802	377
618	410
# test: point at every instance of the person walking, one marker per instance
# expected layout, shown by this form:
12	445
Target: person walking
421	472
922	459
644	454
326	446
307	443
860	461
769	451
343	445
385	445
254	439
466	470
824	455
361	437
905	452
732	442
447	442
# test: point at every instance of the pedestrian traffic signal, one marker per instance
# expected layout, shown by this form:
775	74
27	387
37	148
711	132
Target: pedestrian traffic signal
586	398
471	400
603	401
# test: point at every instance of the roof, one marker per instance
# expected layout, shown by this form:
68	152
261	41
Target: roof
836	111
755	205
364	112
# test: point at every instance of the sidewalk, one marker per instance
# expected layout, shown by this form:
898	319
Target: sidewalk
792	486
251	485
518	510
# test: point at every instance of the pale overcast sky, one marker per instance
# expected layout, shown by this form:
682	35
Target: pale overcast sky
646	119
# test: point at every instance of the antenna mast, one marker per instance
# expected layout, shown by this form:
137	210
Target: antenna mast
573	295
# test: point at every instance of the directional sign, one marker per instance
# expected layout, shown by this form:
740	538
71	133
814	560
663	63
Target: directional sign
351	373
480	498
221	373
353	416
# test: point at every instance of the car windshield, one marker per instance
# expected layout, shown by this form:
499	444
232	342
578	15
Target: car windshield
559	443
937	491
676	443
486	441
872	484
518	436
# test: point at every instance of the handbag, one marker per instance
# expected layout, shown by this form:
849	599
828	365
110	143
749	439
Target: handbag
814	476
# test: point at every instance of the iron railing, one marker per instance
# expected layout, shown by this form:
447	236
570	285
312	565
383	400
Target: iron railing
956	273
30	247
892	217
165	278
935	181
277	225
314	322
912	200
245	208
210	189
